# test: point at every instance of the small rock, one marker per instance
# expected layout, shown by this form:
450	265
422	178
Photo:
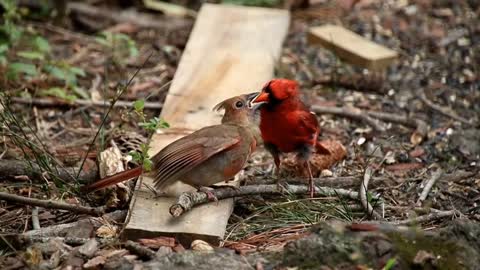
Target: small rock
163	251
326	173
201	245
89	248
95	262
361	140
390	158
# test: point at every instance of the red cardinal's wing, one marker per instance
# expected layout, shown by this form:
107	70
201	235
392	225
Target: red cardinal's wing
309	123
186	153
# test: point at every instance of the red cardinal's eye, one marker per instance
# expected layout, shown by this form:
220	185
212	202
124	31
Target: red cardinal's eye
239	104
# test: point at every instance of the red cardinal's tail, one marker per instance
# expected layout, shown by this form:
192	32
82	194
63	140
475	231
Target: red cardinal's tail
114	179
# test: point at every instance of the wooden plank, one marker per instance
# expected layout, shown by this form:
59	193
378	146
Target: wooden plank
231	50
352	47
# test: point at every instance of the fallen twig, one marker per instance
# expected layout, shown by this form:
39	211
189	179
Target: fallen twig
363	195
74	241
425	218
50	102
35	220
420	126
9	169
187	201
139	249
94	211
445	111
62	229
428	186
352	113
132	16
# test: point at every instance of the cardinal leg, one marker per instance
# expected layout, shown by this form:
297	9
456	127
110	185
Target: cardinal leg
273	150
303	156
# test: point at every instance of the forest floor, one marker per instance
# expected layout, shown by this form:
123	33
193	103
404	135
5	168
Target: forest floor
412	125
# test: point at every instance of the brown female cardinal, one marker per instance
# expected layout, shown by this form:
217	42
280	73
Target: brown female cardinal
287	125
212	154
207	156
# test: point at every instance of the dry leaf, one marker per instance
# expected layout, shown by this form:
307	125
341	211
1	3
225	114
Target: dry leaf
201	245
107	231
404	166
95	262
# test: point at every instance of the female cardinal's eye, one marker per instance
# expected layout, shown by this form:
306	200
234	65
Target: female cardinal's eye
239	104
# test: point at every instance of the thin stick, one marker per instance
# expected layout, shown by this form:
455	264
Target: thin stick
187	201
363	195
425	218
139	249
445	111
352	113
50	102
61	229
35	221
93	211
428	186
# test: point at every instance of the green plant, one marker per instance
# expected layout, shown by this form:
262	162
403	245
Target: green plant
121	46
34	58
150	125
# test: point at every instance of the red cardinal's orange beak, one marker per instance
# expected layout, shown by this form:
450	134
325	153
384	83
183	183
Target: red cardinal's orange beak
260	98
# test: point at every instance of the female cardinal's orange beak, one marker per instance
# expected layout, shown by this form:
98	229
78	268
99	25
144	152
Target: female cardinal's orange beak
260	98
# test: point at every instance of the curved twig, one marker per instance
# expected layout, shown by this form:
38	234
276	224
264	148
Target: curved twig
187	201
352	113
363	195
428	186
93	211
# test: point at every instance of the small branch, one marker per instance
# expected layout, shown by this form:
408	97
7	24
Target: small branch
9	169
352	113
74	241
35	221
139	249
93	211
426	218
445	111
363	195
428	186
61	229
420	125
50	102
187	201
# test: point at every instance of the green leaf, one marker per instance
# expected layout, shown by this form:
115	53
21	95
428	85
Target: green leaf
58	92
77	71
31	55
3	48
17	68
390	264
139	105
79	91
41	44
55	72
147	164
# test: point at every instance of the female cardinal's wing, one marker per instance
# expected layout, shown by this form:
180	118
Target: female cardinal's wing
186	153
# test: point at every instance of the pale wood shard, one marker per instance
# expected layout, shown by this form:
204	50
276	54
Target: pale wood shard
352	47
232	50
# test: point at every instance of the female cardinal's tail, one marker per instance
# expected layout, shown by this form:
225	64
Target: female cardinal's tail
114	179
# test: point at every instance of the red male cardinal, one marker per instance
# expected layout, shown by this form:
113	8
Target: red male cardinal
207	156
287	125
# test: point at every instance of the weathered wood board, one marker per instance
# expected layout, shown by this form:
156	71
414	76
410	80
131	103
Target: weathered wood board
352	47
232	50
